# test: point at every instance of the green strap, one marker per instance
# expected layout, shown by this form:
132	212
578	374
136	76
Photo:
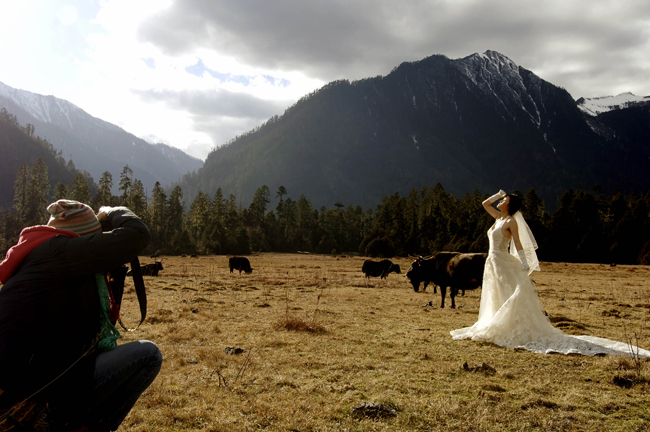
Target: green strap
108	335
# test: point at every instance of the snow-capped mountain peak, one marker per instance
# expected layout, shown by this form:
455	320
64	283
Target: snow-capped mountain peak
502	79
599	105
39	106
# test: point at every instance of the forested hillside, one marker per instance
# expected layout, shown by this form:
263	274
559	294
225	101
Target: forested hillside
19	145
587	227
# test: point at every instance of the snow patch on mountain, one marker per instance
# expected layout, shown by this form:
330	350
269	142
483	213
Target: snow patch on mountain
415	141
599	105
500	78
40	107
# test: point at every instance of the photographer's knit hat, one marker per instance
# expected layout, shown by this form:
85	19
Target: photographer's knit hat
73	216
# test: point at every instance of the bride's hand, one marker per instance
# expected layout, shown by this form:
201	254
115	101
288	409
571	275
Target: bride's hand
524	261
497	196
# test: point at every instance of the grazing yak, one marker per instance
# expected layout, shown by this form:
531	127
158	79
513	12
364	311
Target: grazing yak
458	271
239	263
149	269
379	269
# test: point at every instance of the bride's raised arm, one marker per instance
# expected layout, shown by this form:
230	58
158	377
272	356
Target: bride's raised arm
487	204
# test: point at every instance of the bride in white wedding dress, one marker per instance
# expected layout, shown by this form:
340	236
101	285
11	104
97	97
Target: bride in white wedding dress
511	314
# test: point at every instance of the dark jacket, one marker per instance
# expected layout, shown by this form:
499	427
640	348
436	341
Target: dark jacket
49	309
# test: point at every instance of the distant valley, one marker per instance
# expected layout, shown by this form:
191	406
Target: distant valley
94	145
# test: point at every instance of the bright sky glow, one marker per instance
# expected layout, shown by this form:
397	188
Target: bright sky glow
196	73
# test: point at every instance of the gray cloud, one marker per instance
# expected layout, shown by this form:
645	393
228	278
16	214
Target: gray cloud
223	129
199	150
216	103
590	48
221	114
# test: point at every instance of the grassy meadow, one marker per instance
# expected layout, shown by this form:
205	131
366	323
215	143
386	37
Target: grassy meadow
318	340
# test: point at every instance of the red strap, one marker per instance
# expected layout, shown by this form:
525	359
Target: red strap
114	311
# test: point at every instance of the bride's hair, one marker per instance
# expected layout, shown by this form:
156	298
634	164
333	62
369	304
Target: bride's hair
515	203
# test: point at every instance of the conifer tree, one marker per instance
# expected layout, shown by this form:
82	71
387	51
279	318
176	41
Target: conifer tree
29	129
31	190
218	207
354	227
7	117
631	233
232	225
282	220
215	231
157	213
282	191
616	210
80	190
242	242
104	196
61	191
198	220
125	185
137	200
533	209
433	226
175	217
21	192
305	212
257	208
254	218
305	223
410	213
270	235
288	226
40	190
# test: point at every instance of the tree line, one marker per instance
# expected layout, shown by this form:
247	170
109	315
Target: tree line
588	226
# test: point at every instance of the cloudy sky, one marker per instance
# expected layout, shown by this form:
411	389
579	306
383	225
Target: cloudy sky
196	73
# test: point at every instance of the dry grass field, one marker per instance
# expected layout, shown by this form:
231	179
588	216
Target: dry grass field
318	340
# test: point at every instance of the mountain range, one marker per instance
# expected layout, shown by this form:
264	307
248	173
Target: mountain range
479	122
95	145
476	123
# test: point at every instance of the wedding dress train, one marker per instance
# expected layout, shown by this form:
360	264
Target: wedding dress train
511	314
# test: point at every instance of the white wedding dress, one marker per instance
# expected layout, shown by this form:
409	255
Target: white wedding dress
511	314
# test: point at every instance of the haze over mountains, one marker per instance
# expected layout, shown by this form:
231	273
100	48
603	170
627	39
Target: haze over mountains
480	122
93	144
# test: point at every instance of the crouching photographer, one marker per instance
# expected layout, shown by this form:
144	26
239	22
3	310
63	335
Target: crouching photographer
60	366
